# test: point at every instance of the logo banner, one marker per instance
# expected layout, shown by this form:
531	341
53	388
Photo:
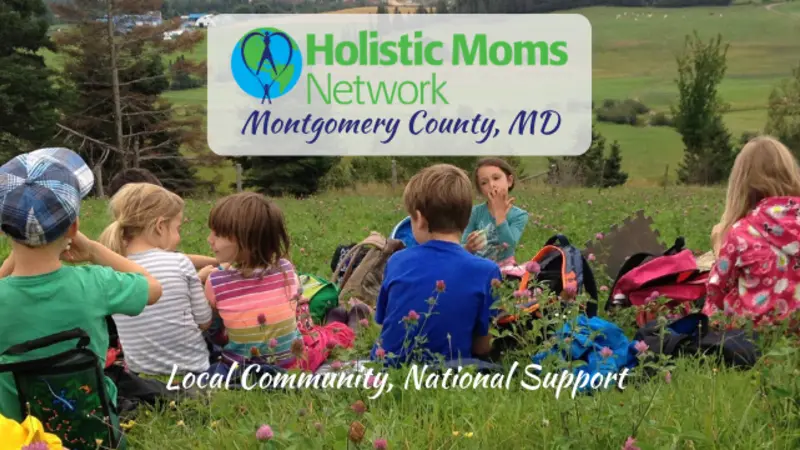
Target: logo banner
400	85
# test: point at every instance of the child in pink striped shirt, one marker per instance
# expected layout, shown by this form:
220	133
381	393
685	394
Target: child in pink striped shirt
258	296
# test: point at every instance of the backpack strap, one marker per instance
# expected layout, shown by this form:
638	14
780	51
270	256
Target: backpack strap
42	342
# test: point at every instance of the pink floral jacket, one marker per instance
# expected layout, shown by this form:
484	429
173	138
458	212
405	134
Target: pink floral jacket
757	272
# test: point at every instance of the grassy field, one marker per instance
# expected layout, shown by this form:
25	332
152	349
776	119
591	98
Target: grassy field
634	57
700	405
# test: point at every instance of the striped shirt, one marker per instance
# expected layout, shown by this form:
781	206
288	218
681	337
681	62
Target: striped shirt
259	312
167	333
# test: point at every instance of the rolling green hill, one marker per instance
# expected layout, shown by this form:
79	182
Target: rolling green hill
634	57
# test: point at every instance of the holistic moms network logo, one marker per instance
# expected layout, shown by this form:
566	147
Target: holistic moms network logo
266	63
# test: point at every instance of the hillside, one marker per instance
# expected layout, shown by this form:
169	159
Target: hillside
634	57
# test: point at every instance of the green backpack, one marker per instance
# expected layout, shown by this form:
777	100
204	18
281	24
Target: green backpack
322	294
66	392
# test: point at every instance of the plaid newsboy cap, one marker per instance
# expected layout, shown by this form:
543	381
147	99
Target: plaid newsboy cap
40	194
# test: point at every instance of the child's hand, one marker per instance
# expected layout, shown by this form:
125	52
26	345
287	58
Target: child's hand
475	242
499	205
81	249
205	272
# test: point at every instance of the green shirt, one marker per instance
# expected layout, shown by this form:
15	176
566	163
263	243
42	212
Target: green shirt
501	239
70	297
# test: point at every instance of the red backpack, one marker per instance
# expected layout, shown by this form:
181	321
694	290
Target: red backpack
673	275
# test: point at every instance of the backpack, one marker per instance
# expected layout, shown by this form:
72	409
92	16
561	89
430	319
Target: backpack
359	273
66	392
674	275
561	266
323	296
691	335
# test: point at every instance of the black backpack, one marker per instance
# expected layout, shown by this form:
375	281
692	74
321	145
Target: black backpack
691	335
66	392
560	264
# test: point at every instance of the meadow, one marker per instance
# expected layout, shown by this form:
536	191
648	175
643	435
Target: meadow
634	57
634	51
691	403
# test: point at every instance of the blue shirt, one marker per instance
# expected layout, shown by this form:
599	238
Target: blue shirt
501	239
461	312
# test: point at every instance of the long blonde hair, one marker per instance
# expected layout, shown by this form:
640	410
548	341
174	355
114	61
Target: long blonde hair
136	209
764	168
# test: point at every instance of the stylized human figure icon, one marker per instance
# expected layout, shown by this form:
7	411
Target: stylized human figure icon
266	55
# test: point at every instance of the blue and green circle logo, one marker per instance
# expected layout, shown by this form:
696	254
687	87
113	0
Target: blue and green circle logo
266	63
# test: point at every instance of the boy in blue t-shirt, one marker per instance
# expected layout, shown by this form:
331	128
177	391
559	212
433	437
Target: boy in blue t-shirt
436	298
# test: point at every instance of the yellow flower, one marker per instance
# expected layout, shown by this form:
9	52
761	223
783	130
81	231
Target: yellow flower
127	426
31	430
180	423
468	434
455	433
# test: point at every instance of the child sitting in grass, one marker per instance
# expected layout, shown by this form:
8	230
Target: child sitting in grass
757	242
258	295
436	298
166	336
40	199
495	226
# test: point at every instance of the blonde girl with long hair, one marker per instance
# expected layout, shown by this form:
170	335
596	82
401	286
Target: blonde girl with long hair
757	241
146	229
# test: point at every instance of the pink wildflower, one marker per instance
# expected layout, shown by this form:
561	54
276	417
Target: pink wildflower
264	433
373	382
590	257
440	286
273	343
605	352
604	288
641	346
364	322
412	316
262	319
359	407
380	444
629	444
668	377
533	267
599	236
522	294
336	366
380	353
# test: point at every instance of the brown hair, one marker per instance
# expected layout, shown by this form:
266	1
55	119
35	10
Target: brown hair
442	194
763	168
494	162
136	209
134	175
257	225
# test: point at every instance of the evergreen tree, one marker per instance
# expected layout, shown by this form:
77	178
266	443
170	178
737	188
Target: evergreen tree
298	176
783	113
28	98
612	169
708	154
151	132
591	169
441	7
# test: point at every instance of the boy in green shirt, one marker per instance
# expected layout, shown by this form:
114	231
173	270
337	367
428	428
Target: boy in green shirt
40	199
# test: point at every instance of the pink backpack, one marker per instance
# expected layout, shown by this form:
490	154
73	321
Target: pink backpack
644	277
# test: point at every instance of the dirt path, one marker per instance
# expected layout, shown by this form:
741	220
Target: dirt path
771	8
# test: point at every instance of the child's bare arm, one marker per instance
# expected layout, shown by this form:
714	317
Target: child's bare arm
201	261
101	255
8	266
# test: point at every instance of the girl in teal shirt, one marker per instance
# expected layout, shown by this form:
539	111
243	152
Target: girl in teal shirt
495	226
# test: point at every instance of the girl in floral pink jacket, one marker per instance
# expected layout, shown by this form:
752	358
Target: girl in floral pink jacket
757	243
